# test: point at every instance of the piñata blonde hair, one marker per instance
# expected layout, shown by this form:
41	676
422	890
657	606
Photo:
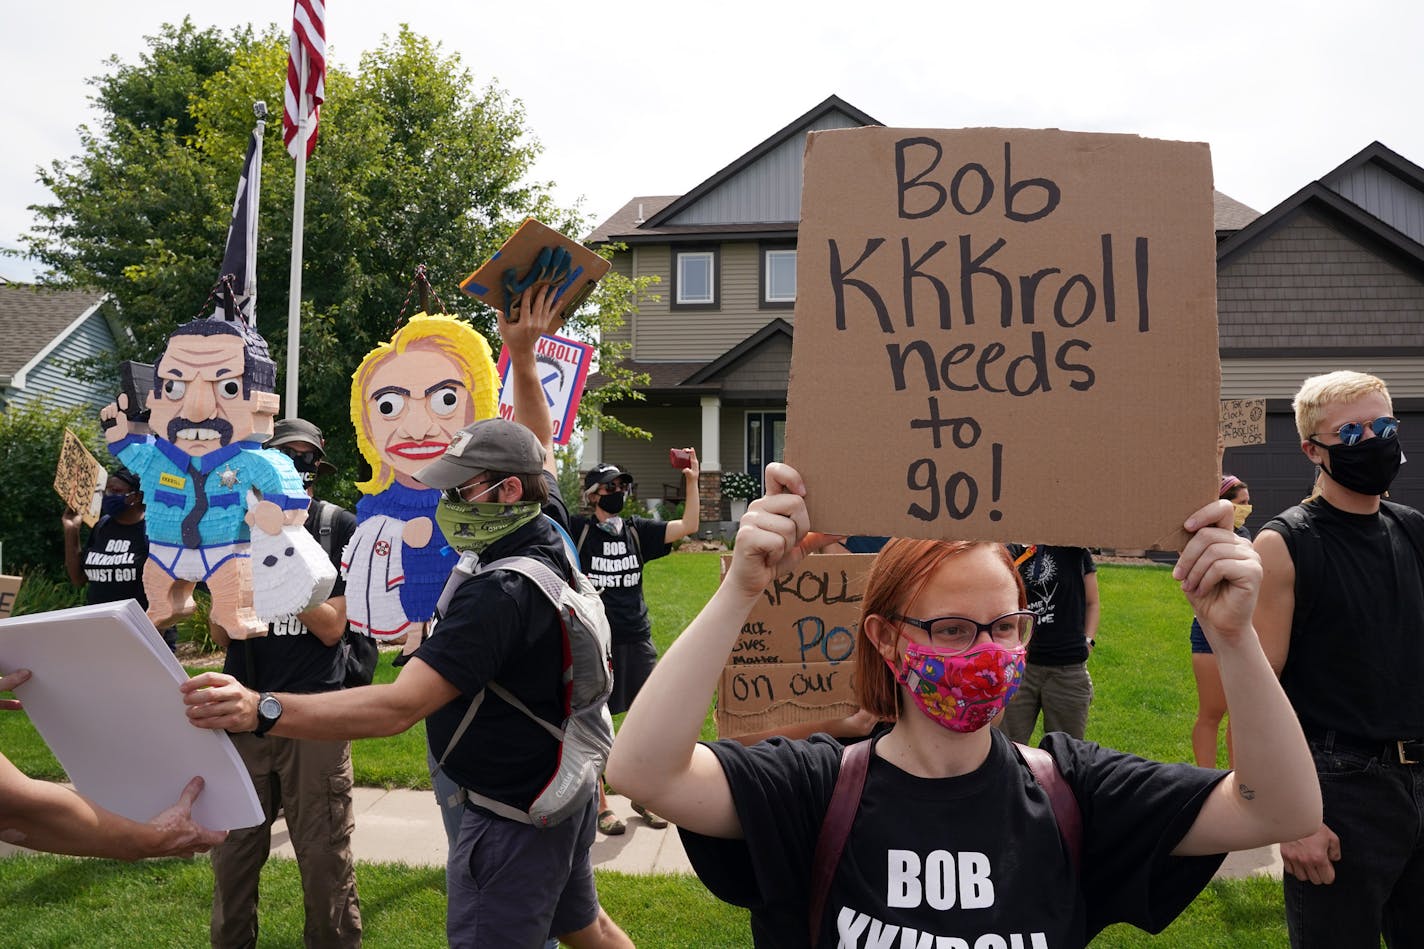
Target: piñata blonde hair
445	334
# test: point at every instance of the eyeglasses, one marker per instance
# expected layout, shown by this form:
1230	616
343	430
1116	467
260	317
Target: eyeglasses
959	633
460	494
1351	432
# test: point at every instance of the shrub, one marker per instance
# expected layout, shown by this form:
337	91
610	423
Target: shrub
30	439
740	485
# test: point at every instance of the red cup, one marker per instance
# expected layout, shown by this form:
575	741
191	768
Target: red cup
680	457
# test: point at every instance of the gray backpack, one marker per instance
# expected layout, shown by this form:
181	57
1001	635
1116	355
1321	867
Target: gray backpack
586	734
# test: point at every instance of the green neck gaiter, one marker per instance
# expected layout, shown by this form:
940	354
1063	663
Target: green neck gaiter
476	526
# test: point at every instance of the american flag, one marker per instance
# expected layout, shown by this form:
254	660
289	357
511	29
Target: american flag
306	57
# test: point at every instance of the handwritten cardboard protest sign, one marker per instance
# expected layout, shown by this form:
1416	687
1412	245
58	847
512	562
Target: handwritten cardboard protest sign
1243	422
993	324
563	370
79	478
532	255
793	661
9	589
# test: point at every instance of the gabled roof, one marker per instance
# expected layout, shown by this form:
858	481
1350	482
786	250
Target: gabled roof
1316	196
797	126
777	327
33	320
1379	154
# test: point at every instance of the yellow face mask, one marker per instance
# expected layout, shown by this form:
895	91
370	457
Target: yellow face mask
1239	515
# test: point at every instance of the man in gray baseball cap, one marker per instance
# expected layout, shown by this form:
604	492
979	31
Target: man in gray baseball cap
489	445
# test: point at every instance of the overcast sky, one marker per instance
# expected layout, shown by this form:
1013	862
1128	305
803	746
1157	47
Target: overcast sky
648	98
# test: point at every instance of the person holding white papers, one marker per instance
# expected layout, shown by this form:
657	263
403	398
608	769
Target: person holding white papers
41	815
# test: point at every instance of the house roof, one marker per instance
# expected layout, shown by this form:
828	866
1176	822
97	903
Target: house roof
1379	154
33	318
1317	196
1230	214
709	372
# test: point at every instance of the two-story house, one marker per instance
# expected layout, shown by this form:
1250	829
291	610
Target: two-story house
1332	278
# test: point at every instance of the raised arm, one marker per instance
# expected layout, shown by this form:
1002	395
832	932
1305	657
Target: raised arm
531	406
1273	795
656	757
691	518
70	521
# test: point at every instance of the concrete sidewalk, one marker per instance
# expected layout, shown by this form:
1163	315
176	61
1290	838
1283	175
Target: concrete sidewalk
405	827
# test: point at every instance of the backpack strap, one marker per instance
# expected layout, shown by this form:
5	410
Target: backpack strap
548	581
325	514
1066	812
835	828
845	801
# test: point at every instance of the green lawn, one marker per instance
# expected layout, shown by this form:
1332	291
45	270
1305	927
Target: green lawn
1145	703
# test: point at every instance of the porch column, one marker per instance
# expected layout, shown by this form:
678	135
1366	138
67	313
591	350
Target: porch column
709	455
592	451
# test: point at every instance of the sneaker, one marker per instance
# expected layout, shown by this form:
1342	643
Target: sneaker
610	823
652	820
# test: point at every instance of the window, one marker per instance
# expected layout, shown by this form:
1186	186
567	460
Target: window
778	284
694	278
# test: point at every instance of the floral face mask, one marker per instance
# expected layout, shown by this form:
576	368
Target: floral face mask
962	691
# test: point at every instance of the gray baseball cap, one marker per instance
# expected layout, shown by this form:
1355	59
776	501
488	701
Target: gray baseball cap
492	444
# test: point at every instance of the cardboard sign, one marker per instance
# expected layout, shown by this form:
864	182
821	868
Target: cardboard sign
793	661
79	478
9	590
514	260
991	324
563	369
1243	422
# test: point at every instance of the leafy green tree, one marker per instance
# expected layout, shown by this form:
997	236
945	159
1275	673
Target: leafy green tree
415	164
31	436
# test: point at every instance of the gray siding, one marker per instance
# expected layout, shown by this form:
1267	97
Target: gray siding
766	191
661	334
647	461
764	371
1395	202
625	264
1266	378
1310	285
53	377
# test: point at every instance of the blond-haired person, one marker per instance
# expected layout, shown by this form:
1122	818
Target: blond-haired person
1341	617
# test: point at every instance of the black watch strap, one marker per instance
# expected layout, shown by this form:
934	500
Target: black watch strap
265	720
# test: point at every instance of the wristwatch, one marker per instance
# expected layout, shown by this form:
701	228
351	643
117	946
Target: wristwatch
269	709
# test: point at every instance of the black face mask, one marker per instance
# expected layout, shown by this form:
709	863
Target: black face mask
612	503
1366	467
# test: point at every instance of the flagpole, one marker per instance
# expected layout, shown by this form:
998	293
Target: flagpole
294	289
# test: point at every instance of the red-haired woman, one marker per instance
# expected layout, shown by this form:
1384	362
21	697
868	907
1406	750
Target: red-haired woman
953	842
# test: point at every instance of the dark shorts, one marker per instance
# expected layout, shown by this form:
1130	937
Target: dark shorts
514	885
632	664
1199	643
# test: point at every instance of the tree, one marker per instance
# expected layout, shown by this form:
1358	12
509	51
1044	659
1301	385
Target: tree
31	436
415	164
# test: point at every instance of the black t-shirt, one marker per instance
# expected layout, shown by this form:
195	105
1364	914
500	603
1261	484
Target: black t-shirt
967	858
113	561
1356	654
291	658
613	564
1053	577
499	627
